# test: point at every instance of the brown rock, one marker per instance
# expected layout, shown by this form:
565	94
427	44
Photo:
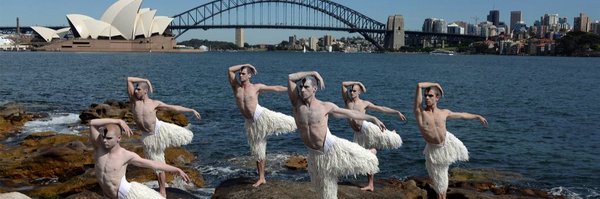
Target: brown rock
121	110
12	118
59	165
242	188
296	162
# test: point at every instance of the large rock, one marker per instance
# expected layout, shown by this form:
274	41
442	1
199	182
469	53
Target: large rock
51	165
242	188
122	110
296	162
12	118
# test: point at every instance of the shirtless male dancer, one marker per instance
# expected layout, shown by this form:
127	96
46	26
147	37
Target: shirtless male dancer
367	134
442	147
158	135
260	122
329	156
111	162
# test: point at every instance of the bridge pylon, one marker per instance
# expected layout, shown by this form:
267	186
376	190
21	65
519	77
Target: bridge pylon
394	35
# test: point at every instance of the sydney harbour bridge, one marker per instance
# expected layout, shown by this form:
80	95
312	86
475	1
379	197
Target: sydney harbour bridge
299	14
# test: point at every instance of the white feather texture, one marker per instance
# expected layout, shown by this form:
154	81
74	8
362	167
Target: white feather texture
166	135
140	191
371	136
438	158
266	124
340	158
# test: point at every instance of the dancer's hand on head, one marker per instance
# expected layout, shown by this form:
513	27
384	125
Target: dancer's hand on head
150	85
321	81
254	71
197	115
125	128
364	89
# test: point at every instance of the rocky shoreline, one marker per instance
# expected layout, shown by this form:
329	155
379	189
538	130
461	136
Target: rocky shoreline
53	165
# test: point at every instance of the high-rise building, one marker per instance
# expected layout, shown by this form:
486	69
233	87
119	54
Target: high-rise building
595	27
313	43
550	20
292	40
435	25
581	23
515	17
440	26
563	24
494	17
428	24
239	37
327	40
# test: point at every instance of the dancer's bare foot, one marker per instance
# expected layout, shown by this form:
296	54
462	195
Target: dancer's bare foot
368	188
163	193
259	182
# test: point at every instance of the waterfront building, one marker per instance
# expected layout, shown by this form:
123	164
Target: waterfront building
519	31
581	23
124	26
502	28
473	29
455	29
487	29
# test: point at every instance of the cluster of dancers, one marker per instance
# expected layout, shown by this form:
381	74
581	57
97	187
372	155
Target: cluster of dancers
329	157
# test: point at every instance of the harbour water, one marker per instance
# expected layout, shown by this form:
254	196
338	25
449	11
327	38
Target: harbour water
542	111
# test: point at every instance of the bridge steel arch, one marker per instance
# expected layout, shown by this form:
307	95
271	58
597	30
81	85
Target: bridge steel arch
346	19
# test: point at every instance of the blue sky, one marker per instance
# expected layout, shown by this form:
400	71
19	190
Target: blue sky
52	12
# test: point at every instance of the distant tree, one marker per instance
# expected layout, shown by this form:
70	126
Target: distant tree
215	45
578	43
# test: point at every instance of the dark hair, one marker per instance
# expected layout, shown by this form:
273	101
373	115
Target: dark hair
435	89
300	83
105	130
250	70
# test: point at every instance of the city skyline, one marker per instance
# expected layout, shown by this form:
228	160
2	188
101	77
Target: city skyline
52	13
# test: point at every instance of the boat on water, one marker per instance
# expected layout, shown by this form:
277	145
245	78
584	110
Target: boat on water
441	52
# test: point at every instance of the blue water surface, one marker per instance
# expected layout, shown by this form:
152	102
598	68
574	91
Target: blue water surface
542	111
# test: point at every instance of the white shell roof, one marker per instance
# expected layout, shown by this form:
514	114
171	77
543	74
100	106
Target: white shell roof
123	18
122	15
160	24
46	33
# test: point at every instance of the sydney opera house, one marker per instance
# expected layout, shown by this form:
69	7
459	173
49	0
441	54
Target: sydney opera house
124	26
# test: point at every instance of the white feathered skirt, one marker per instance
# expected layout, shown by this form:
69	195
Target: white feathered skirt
165	135
339	157
266	122
140	191
370	136
438	158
